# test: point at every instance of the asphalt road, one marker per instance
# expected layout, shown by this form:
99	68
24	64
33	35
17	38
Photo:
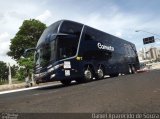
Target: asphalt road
124	94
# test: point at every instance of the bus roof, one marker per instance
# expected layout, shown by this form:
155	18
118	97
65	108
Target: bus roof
63	20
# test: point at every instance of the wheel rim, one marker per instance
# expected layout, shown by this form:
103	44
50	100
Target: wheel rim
88	74
130	70
100	73
133	69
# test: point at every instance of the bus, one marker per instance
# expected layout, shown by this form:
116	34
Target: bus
68	51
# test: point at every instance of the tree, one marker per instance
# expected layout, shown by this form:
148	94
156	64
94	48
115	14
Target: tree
26	37
20	74
14	69
3	71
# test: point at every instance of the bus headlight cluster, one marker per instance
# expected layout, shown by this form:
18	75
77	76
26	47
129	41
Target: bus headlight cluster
50	70
54	68
40	74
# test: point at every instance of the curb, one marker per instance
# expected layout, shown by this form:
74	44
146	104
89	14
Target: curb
12	86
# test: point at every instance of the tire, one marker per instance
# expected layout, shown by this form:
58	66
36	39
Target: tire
88	74
37	82
133	70
113	75
66	82
100	73
129	69
80	80
26	86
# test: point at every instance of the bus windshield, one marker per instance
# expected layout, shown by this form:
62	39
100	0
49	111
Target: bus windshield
53	29
63	46
54	45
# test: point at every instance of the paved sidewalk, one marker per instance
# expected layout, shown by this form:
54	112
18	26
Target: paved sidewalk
8	87
44	85
12	86
156	65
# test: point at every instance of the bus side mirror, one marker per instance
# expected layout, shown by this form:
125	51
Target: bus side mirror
25	54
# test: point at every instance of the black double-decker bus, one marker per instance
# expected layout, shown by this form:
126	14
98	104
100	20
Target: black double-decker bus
69	51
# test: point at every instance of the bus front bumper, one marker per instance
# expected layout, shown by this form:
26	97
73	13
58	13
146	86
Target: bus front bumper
56	75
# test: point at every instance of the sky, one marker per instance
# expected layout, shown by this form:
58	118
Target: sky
117	17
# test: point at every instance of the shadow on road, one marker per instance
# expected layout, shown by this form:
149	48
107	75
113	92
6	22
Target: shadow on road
59	85
56	86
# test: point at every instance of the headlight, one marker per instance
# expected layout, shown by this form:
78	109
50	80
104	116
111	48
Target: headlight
36	75
42	74
54	68
50	70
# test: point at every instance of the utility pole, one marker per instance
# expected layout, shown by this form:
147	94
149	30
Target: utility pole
9	74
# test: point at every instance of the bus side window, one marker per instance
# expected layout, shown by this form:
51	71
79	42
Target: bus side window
90	34
97	55
71	28
131	51
88	37
127	50
108	55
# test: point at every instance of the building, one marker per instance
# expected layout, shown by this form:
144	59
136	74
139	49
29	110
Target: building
152	53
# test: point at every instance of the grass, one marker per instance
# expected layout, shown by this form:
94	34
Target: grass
14	81
3	82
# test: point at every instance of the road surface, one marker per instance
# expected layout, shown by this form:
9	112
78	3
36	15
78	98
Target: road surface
137	93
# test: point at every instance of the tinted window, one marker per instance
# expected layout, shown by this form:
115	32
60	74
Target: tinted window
67	46
129	50
97	55
71	28
45	53
90	34
48	32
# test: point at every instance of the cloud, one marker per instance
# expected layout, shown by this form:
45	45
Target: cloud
44	16
8	59
4	48
4	43
117	24
119	34
11	19
110	16
4	35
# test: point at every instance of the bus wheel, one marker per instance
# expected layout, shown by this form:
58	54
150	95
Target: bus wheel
100	73
88	74
129	69
37	82
66	82
113	75
80	80
133	70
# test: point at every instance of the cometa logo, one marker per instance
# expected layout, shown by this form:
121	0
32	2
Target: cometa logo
100	46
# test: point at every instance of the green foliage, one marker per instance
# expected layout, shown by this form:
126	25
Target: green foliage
26	37
26	62
3	71
14	70
20	75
